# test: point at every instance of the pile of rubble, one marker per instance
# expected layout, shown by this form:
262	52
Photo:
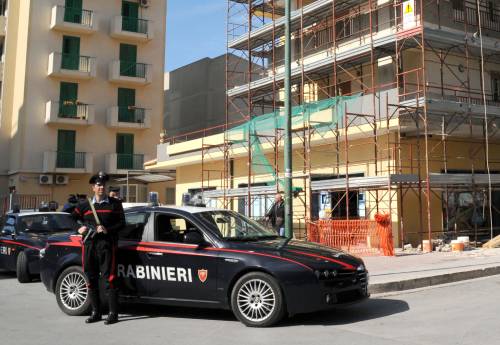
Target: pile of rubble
445	245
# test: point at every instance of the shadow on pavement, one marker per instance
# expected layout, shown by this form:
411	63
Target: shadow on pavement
367	310
7	275
130	312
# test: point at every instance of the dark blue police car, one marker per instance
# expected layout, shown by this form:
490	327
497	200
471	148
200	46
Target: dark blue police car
201	257
24	234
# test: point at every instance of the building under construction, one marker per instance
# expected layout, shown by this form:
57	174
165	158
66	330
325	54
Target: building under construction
396	108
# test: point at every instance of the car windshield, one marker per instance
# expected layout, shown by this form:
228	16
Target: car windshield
44	223
231	225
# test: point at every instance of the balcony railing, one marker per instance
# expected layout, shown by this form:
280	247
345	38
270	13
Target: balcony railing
77	16
133	69
73	20
127	161
76	62
490	17
131	114
70	160
70	109
137	25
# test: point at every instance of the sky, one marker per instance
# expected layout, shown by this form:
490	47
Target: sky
195	29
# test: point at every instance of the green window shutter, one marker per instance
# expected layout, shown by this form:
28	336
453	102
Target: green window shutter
128	60
73	11
126	101
70	53
66	149
125	150
68	97
130	16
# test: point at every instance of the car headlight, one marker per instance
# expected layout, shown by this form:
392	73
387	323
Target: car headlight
41	254
361	268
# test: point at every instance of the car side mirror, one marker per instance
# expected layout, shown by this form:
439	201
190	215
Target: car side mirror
7	232
193	237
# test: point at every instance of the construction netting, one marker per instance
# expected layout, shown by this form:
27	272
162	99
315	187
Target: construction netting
319	115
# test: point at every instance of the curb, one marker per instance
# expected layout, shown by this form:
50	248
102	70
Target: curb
446	278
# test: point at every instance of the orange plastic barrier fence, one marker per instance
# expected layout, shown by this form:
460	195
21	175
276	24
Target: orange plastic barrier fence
360	237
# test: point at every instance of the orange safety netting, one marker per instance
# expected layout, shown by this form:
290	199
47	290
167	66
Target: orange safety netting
361	237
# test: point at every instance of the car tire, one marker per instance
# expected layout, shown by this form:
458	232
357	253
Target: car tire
257	300
22	268
72	292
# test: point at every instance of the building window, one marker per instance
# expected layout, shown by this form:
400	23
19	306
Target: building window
458	4
495	86
492	12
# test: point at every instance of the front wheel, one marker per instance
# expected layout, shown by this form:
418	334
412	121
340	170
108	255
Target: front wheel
72	292
22	268
257	300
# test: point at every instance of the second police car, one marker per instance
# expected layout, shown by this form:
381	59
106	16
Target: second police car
201	257
22	235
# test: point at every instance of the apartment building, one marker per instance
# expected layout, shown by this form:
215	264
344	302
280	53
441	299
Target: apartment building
82	91
395	111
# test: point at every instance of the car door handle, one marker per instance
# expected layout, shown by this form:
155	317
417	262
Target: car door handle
154	254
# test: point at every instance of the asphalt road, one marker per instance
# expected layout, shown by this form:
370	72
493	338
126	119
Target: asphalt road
461	313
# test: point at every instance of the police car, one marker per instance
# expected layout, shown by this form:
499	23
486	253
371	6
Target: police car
24	234
202	257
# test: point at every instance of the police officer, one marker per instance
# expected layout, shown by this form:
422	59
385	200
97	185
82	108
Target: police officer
99	251
114	192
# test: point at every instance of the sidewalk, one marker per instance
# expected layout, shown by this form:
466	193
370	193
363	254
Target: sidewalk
411	271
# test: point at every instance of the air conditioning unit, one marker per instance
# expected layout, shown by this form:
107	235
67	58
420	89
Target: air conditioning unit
62	179
144	3
45	179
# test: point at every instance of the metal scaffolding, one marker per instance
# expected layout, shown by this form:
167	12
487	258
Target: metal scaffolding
418	105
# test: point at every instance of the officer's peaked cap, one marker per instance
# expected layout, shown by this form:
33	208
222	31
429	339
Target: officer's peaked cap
99	178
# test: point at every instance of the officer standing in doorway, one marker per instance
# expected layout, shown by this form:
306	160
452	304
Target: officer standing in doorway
102	218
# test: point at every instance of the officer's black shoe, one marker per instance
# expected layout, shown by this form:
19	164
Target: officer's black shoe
111	319
94	317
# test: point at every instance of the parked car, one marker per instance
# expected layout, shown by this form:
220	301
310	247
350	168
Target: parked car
24	234
201	257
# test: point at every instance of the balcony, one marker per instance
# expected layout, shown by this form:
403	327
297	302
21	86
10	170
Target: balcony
68	162
119	163
130	73
3	25
129	117
131	29
69	112
73	67
73	20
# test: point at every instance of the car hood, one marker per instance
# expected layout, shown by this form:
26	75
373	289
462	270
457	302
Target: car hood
311	254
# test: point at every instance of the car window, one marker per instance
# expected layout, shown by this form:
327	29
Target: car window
171	228
10	223
134	226
232	225
43	223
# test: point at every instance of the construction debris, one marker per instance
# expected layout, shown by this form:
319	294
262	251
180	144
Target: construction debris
494	243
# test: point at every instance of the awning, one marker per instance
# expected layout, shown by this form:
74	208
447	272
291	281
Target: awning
147	178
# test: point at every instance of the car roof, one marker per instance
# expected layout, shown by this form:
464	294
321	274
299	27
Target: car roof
166	208
32	213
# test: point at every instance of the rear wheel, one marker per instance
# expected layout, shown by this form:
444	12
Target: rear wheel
257	300
72	292
22	268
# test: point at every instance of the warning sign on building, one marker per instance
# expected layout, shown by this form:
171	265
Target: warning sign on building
409	19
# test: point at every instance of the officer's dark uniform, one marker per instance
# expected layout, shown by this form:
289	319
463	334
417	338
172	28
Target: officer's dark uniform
99	252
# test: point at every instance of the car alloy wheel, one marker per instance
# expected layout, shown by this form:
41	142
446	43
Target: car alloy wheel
256	300
73	291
